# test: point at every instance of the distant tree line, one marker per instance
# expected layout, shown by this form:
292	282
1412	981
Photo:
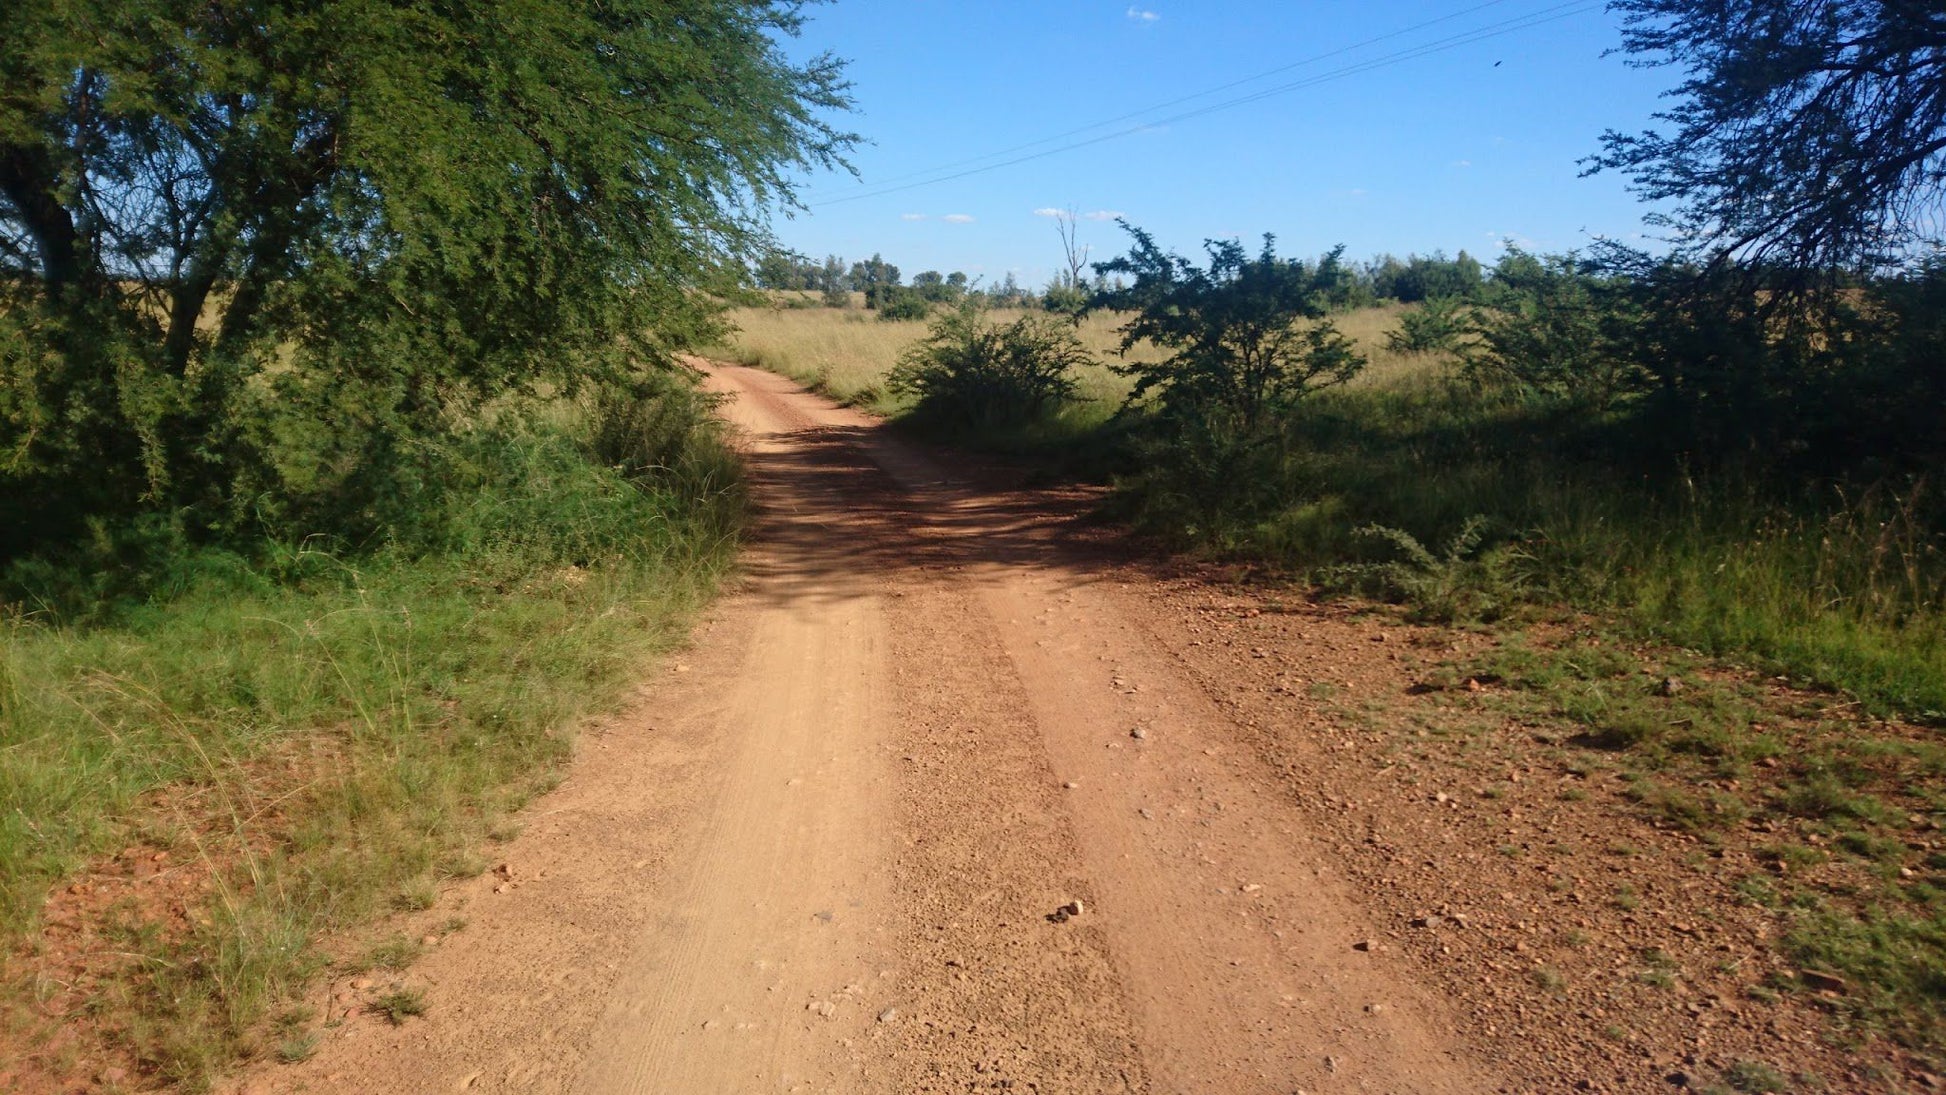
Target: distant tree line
1418	277
882	284
1411	279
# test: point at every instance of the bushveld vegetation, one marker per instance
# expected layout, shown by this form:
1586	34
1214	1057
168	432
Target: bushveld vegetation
345	456
1740	469
1696	460
1732	447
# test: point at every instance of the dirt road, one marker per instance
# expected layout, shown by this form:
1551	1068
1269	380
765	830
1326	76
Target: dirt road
829	848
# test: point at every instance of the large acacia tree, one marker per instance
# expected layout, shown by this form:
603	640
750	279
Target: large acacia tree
1806	133
354	216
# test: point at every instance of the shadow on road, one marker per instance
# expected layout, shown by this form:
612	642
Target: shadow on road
834	524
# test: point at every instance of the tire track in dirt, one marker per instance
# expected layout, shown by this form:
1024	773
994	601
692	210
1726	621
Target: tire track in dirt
824	858
1228	930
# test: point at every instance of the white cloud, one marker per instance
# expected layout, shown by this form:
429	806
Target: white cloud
1104	215
1140	16
1462	163
957	218
1050	211
1358	192
912	216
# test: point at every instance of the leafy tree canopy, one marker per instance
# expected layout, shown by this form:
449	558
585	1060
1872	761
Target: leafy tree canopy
424	205
875	278
1809	134
1246	335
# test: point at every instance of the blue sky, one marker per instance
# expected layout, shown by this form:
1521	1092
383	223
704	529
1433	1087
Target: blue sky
1457	149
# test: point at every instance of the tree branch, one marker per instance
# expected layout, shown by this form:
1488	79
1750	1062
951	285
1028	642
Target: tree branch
30	183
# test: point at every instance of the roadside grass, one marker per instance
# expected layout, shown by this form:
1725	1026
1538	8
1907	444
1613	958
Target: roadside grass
1509	503
1835	588
846	353
306	739
1841	810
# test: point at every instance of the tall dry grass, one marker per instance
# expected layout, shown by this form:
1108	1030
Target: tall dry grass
847	353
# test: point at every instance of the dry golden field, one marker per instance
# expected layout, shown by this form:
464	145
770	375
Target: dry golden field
846	353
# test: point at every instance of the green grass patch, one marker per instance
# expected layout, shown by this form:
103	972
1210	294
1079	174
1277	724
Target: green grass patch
1463	504
319	735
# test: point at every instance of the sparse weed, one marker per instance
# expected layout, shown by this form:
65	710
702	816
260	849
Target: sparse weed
1759	890
459	863
1658	970
1461	583
1697	811
1756	1077
296	1048
1793	857
420	893
395	952
398	1004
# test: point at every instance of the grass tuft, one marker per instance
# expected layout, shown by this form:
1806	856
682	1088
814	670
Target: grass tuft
398	1004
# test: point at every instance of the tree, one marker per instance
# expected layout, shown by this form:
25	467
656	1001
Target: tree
832	276
1246	336
936	288
786	270
1074	255
900	302
1064	298
1809	135
1007	294
1424	277
875	278
229	222
834	283
1440	325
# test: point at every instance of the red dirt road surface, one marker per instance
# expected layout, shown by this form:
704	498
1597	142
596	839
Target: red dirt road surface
942	799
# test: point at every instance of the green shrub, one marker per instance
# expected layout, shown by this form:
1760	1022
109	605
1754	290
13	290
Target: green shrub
1064	299
1208	482
1460	583
1246	337
349	720
969	373
1439	326
897	302
1552	326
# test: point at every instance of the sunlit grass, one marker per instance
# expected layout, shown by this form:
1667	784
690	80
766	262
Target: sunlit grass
325	736
847	353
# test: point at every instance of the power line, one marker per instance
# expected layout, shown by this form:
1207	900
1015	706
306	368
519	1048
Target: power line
1494	30
1205	93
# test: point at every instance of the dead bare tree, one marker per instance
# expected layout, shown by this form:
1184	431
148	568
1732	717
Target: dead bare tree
1073	252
